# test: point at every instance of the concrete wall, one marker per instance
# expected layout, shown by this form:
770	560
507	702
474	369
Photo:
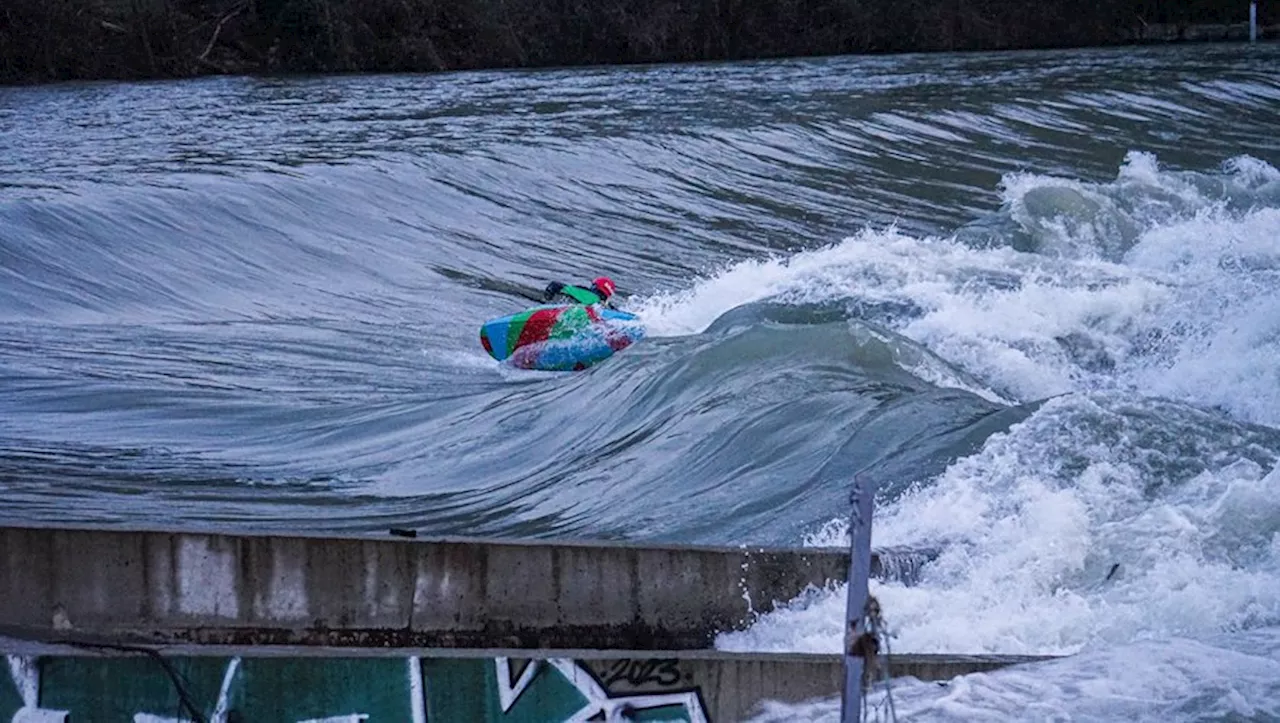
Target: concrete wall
239	589
439	686
331	630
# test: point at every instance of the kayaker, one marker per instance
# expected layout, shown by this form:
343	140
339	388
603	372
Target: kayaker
600	292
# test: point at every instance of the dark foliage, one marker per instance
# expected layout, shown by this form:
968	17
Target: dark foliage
46	40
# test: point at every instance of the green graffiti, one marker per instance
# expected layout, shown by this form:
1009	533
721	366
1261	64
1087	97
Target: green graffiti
506	690
144	689
266	690
114	690
469	690
279	689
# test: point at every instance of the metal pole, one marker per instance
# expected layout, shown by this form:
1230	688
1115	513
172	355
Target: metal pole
856	603
1253	21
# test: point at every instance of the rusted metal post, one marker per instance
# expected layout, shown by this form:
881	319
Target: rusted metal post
856	603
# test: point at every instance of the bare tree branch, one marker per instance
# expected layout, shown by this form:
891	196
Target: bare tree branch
218	30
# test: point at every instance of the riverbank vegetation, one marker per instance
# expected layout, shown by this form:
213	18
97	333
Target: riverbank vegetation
49	40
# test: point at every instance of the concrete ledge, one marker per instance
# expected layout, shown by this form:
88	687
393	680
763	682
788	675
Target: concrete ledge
925	666
215	588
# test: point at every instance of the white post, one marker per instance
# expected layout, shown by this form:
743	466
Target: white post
1253	21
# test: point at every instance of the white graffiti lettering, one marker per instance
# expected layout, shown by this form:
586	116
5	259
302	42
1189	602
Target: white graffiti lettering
417	692
25	674
509	691
599	701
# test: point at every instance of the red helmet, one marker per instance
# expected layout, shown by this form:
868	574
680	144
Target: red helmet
604	286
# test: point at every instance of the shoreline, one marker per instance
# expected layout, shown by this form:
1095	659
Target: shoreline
135	40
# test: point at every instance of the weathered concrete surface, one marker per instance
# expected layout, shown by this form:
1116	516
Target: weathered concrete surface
158	586
294	684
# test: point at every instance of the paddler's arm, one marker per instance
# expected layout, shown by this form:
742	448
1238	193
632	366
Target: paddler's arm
552	289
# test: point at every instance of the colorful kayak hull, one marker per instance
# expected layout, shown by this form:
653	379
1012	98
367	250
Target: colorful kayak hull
559	338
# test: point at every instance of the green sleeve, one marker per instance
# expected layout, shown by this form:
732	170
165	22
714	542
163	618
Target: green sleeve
581	295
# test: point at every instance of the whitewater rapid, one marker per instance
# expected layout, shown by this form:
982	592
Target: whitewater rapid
1032	297
1133	518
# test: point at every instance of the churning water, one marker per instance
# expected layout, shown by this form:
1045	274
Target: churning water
1034	297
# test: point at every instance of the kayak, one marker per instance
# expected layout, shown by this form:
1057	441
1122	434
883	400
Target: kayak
564	337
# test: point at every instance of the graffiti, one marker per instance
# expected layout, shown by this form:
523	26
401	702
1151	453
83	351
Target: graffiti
664	672
219	714
598	703
139	689
222	707
23	704
135	689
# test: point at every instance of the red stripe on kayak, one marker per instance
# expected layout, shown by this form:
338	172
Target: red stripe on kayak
538	326
617	340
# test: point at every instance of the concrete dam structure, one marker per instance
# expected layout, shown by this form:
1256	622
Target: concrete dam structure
152	626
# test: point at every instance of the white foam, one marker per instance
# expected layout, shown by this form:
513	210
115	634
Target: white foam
1223	323
1029	539
1235	677
1107	517
1189	312
1189	306
1006	333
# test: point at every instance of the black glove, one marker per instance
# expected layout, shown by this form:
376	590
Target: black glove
552	289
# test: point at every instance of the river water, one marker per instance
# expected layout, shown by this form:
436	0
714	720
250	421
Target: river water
1034	297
